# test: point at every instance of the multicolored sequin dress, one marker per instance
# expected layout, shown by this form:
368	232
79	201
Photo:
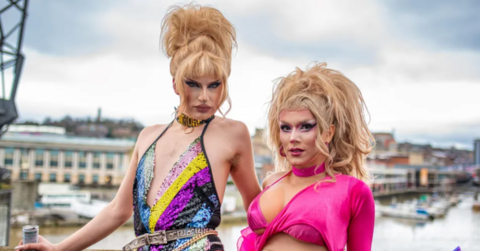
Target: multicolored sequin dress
187	197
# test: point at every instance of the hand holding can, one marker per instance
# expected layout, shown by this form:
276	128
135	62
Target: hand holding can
42	245
30	234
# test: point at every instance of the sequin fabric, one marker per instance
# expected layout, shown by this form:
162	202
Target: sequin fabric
187	198
194	149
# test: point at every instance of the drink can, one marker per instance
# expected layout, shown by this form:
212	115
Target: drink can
30	234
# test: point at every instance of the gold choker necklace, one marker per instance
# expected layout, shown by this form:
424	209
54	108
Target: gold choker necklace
191	122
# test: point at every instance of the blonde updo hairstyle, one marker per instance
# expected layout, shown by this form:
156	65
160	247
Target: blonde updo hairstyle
333	100
199	40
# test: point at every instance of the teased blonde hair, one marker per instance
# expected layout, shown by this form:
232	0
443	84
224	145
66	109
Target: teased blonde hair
199	40
332	99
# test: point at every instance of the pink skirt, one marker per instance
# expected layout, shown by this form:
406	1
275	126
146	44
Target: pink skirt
247	240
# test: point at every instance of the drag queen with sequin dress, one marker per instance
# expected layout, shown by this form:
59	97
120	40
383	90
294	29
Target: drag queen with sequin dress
179	171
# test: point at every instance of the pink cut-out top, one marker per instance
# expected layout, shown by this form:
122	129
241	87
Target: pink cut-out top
336	215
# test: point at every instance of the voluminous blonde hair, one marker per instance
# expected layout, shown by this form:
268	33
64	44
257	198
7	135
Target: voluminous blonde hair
333	100
199	40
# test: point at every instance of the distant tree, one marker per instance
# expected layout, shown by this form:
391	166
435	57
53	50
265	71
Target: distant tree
71	124
47	121
109	134
29	122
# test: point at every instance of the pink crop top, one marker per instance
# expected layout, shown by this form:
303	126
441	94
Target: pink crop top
300	231
336	215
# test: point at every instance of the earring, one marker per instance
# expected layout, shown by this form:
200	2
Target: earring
282	153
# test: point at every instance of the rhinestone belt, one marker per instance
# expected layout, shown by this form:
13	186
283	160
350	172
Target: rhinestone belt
163	237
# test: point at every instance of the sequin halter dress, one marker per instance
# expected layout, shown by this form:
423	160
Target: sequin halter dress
187	198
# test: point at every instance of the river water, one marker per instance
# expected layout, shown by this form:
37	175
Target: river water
460	227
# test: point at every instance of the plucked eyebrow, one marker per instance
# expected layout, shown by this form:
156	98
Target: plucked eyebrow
301	122
191	80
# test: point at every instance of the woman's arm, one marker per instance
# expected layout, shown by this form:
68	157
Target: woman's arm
109	219
243	171
117	212
360	229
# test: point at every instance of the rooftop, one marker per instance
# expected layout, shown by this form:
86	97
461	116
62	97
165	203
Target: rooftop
65	139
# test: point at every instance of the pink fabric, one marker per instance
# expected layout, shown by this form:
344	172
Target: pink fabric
309	171
336	215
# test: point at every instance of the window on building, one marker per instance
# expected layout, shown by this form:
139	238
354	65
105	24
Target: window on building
54	158
24	158
68	159
81	178
96	160
120	161
38	176
66	178
95	179
53	177
110	160
82	160
9	156
108	180
24	175
39	157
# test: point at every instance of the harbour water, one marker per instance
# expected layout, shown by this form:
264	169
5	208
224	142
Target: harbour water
460	227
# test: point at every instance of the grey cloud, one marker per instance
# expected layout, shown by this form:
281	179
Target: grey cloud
65	28
443	24
257	31
459	134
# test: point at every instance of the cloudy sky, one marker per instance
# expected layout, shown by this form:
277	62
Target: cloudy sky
416	62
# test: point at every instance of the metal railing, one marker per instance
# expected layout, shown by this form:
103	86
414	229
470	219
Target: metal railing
5	215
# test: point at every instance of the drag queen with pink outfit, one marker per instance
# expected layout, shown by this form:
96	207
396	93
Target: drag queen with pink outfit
317	199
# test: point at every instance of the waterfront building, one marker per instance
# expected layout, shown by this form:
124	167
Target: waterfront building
432	178
387	181
47	154
384	142
476	152
262	154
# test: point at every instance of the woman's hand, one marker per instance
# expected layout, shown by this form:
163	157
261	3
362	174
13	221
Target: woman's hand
42	245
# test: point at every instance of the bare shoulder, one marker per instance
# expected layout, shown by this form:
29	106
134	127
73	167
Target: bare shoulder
229	123
270	179
234	129
149	131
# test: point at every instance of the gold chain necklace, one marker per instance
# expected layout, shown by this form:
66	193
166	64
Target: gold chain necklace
195	239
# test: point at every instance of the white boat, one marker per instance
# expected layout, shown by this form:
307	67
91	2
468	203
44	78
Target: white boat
88	209
438	208
63	200
453	200
404	211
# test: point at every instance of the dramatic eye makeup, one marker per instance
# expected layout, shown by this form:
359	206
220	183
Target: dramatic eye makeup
215	84
303	126
307	126
285	128
192	84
